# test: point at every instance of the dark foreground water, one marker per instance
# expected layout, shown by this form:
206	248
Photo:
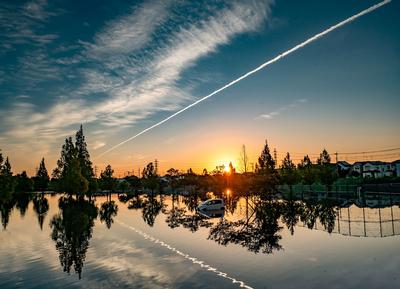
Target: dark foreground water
56	242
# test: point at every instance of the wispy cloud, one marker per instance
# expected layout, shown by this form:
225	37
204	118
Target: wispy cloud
282	109
130	32
136	75
19	24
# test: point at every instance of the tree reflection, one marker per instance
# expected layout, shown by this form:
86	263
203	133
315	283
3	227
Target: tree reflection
309	214
191	201
41	207
6	205
72	229
258	233
150	210
327	215
174	214
291	212
22	201
108	210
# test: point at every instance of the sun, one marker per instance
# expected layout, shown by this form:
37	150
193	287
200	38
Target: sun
227	169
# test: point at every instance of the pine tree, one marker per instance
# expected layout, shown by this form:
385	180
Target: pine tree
83	155
305	162
326	171
324	158
307	171
65	160
75	161
266	178
288	172
7	182
266	163
6	168
42	177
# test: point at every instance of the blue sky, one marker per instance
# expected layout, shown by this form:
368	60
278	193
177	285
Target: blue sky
120	66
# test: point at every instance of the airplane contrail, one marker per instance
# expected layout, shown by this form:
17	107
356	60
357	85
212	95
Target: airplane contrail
265	64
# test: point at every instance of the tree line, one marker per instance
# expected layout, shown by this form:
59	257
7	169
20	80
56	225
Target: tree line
74	175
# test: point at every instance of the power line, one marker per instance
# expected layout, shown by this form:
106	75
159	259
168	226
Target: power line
369	152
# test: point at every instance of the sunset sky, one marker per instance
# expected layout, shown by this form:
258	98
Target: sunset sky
118	67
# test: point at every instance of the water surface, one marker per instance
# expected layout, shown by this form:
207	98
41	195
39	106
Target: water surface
118	242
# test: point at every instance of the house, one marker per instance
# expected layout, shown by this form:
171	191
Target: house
343	168
372	169
396	168
356	169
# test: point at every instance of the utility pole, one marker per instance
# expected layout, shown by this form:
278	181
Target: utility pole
139	172
156	166
336	155
95	171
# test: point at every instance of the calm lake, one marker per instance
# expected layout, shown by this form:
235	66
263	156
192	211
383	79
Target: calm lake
51	241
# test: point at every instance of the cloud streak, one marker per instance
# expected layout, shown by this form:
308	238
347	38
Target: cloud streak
277	112
262	66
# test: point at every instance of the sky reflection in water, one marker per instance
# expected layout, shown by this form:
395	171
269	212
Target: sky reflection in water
54	241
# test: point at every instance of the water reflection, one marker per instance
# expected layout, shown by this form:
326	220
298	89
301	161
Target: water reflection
151	207
254	224
72	229
41	207
6	205
257	233
108	211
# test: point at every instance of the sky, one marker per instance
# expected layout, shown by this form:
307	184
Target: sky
118	67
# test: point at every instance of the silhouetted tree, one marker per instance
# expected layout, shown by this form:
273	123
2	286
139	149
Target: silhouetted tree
149	178
65	160
24	183
307	171
173	176
289	174
74	169
266	178
84	160
41	180
134	183
324	158
327	173
73	181
7	182
107	180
